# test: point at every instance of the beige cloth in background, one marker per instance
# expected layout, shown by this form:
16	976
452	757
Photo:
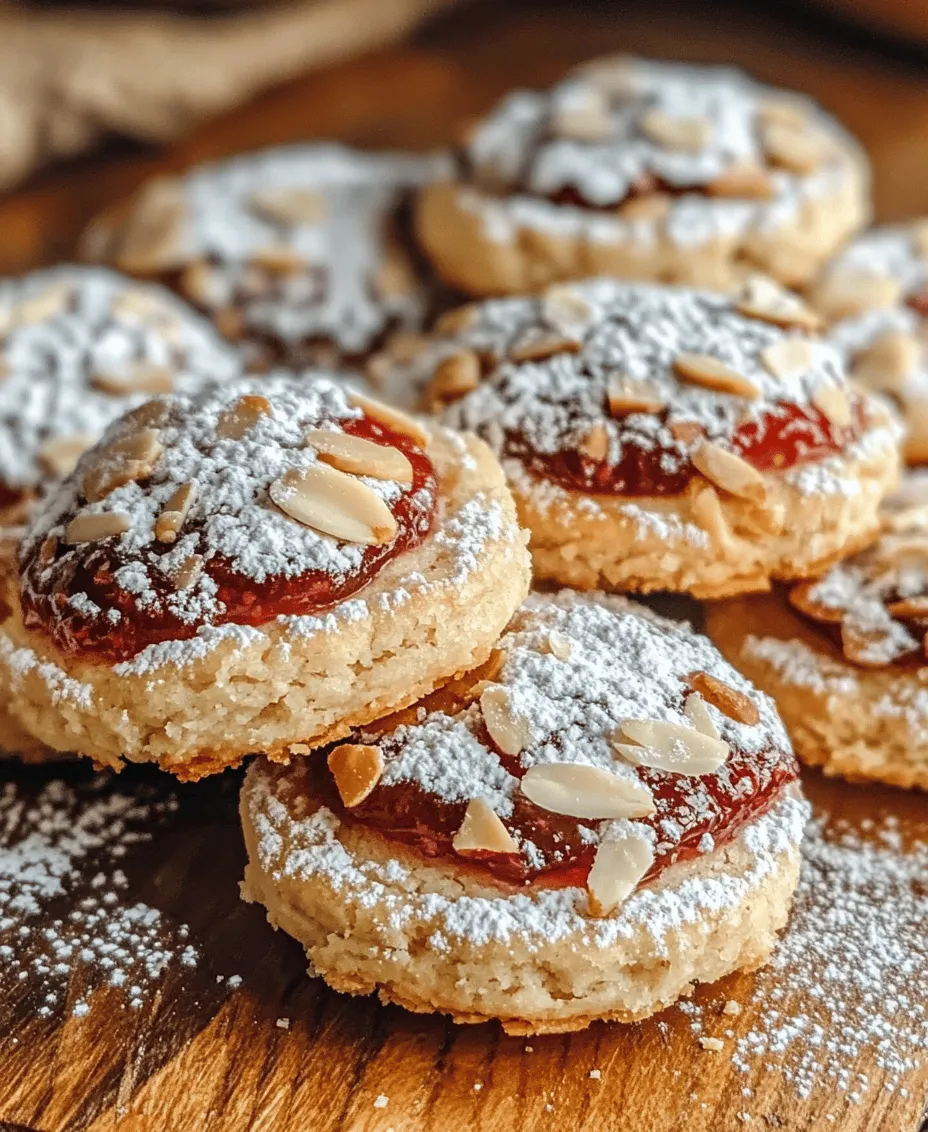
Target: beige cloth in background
70	76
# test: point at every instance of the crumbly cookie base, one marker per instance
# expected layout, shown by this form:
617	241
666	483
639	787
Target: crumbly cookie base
855	723
374	916
428	616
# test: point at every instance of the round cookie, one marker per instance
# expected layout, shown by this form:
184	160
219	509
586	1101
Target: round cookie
300	253
844	655
657	438
258	566
875	294
651	171
506	849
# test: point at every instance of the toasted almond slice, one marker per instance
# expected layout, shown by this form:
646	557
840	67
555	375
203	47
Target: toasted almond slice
729	472
800	597
615	75
589	120
59	454
629	395
686	432
620	864
230	322
395	277
356	768
510	732
763	299
798	149
90	526
743	180
458	320
563	307
189	572
645	207
405	346
132	458
143	377
152	414
174	513
390	418
558	644
665	745
788	357
707	511
242	416
729	701
785	112
908	607
595	445
695	710
288	205
832	402
869	648
710	373
583	791
845	293
483	831
153	238
202	283
335	504
278	259
144	306
887	363
47	304
359	456
455	376
536	347
690	134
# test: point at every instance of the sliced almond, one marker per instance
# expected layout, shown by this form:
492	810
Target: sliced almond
395	277
152	414
359	456
629	395
242	415
710	373
696	711
189	572
785	112
869	648
645	207
562	306
743	180
482	830
690	133
92	526
615	75
145	306
845	293
708	513
45	305
788	357
142	377
583	791
510	732
125	461
153	238
230	322
908	608
887	363
279	259
798	149
288	205
458	320
686	432
201	282
390	418
59	454
356	768
595	445
585	119
800	597
174	513
558	644
728	700
406	346
335	504
729	472
664	745
833	403
538	346
455	376
763	299
620	864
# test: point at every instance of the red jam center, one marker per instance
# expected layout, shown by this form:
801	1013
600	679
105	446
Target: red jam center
788	435
91	569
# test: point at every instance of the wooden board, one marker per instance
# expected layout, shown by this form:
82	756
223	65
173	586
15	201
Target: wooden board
198	1055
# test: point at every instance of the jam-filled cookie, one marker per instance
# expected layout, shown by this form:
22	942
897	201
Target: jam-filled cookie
644	170
302	253
256	566
79	347
600	816
875	294
844	655
660	438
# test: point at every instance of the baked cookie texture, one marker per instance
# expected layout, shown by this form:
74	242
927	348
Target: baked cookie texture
665	904
208	690
657	438
650	171
79	347
843	655
301	254
874	294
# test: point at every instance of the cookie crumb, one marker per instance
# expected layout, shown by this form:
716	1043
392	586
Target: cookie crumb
731	1007
282	1023
713	1044
596	1074
380	1101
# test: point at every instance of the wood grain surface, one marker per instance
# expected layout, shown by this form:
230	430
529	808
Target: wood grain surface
199	1056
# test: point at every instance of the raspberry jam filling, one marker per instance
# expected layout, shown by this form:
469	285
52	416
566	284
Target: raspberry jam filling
786	436
91	569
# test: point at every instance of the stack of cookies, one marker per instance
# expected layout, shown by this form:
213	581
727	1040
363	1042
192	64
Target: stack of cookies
617	345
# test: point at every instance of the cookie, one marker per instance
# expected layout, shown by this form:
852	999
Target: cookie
602	815
657	438
301	253
649	171
844	655
252	567
875	295
79	347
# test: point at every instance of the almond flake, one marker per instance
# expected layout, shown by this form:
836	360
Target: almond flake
59	454
743	180
887	363
90	526
708	513
483	831
664	745
845	293
832	402
359	456
645	207
288	205
335	504
689	134
153	238
763	299
242	416
455	376
230	322
564	307
125	461
152	414
510	732
728	700
356	768
620	864
908	608
789	357
629	395
279	259
558	644
174	513
395	277
729	472
615	75
188	574
710	373
458	320
785	112
868	648
390	418
46	305
142	378
800	597
582	791
798	149
595	445
587	121
538	347
406	346
686	432
696	711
